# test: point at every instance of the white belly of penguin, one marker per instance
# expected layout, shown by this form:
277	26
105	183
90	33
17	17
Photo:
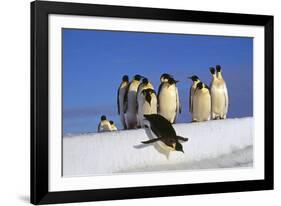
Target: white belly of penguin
201	106
161	144
218	100
146	108
168	102
104	126
165	147
131	113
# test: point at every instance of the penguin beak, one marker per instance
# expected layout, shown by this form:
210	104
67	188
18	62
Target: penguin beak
177	81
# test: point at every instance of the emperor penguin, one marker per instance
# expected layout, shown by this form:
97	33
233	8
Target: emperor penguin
195	81
163	133
145	84
165	77
120	99
104	124
201	110
112	126
130	100
219	94
168	100
147	104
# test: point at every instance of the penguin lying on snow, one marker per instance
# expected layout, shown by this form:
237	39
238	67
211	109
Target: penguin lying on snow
104	124
164	132
112	126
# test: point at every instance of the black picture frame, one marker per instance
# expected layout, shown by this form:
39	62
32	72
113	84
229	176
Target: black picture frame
39	102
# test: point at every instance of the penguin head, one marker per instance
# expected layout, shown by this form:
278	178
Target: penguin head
200	85
212	70
137	77
125	78
144	81
111	122
194	78
103	117
147	93
165	77
178	147
171	81
218	68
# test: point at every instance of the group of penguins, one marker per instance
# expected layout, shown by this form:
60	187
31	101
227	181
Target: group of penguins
139	105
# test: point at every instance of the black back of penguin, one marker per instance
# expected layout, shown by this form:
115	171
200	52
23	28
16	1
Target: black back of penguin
160	125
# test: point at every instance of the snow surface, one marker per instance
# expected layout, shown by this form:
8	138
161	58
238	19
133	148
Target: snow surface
213	144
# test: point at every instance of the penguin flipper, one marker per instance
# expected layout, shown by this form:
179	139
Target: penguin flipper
125	106
226	100
151	141
182	138
158	93
118	104
190	100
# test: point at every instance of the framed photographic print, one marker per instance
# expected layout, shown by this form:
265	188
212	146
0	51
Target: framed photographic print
131	102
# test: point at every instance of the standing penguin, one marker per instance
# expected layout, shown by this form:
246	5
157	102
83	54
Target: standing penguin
130	100
219	94
147	104
104	124
164	78
163	132
145	84
112	126
201	103
168	100
195	81
120	99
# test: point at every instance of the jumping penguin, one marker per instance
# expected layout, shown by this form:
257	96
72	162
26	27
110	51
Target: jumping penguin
112	126
195	81
201	103
130	100
147	104
145	84
104	124
168	100
120	99
219	94
163	132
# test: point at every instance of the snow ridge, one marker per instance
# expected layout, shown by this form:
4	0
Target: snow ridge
213	144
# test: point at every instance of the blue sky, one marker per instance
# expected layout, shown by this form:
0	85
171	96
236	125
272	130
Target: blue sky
95	61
